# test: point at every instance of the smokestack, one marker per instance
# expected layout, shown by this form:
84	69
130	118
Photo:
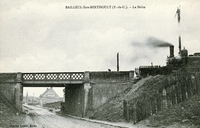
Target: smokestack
179	40
171	51
117	61
178	13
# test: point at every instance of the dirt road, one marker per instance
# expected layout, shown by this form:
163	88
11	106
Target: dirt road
43	118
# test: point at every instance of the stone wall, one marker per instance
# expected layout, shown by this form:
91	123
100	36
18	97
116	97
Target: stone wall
105	85
109	76
7	86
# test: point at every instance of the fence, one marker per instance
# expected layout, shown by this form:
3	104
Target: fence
176	89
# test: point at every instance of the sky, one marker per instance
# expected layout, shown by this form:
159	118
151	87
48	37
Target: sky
44	36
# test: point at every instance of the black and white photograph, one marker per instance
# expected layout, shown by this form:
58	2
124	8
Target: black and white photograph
99	64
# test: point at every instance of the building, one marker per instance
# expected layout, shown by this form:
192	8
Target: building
49	96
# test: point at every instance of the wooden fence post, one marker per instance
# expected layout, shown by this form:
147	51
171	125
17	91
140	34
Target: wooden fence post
148	108
139	111
192	84
173	94
168	97
198	82
177	93
128	116
125	109
153	106
134	114
188	87
158	102
180	98
183	91
143	108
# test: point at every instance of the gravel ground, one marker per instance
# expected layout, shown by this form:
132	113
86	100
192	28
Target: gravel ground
43	118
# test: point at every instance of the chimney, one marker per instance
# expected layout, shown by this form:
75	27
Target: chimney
179	40
171	51
118	62
151	64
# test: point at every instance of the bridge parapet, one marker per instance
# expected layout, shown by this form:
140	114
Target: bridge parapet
112	76
55	76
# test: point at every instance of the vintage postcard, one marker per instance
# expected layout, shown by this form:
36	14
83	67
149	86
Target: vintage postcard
101	64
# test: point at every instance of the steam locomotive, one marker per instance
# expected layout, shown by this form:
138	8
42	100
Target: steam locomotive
173	63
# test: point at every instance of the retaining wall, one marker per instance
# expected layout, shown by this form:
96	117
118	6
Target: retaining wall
7	86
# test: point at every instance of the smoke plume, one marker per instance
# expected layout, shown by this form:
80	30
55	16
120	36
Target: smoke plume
151	41
148	51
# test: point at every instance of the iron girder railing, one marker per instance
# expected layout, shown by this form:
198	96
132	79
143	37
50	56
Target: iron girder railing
60	76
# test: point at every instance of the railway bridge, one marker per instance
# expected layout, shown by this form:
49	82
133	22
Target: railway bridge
84	91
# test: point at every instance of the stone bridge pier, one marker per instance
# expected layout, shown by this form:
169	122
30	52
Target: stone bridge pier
18	92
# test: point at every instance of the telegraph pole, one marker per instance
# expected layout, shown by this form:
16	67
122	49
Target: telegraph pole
118	62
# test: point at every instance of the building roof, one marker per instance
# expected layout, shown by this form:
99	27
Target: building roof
49	93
